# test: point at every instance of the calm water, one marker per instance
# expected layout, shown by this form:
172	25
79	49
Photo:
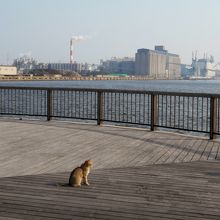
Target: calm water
198	86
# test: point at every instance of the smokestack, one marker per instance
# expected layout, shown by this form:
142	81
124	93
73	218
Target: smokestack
71	51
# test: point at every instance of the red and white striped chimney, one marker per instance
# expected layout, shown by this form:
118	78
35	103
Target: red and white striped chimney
71	50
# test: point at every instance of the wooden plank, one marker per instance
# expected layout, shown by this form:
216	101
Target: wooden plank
170	155
209	149
214	152
206	151
180	154
7	218
199	151
164	144
192	149
218	153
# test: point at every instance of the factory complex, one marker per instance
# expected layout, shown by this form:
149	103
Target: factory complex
146	63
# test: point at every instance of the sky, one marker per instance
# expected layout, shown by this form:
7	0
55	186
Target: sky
112	28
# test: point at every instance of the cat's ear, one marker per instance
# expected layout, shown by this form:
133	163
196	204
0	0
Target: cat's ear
89	162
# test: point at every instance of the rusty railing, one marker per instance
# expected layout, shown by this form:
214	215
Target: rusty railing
196	112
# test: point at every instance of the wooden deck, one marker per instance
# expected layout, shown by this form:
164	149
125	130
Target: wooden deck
137	174
171	191
34	147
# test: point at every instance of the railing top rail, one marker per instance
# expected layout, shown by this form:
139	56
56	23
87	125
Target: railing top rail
196	94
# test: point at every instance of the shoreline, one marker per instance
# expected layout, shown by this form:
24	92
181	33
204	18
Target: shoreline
76	78
90	78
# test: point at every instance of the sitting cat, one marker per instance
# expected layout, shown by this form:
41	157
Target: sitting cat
80	174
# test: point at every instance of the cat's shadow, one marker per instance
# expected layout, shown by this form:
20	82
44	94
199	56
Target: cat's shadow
59	184
62	185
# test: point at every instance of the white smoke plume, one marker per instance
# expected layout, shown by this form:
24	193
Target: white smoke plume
79	37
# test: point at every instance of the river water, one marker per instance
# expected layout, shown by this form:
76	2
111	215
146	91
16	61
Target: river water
194	86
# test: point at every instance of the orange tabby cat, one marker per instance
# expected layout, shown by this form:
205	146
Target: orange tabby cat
80	174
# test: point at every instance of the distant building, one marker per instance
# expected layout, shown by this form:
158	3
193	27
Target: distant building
125	65
24	62
40	66
157	63
8	70
75	67
88	69
186	71
203	67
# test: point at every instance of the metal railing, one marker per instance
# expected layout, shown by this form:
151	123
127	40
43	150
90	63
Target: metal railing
170	110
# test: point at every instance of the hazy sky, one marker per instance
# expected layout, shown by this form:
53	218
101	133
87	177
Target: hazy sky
113	28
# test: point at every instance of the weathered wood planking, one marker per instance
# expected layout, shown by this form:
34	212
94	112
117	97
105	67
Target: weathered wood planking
34	147
168	191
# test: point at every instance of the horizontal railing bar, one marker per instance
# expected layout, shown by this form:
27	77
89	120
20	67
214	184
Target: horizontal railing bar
116	91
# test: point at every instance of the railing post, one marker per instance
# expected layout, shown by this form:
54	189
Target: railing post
49	104
213	117
99	107
153	111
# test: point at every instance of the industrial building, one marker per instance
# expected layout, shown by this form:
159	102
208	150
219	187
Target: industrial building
125	65
158	63
8	70
75	67
25	62
204	67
